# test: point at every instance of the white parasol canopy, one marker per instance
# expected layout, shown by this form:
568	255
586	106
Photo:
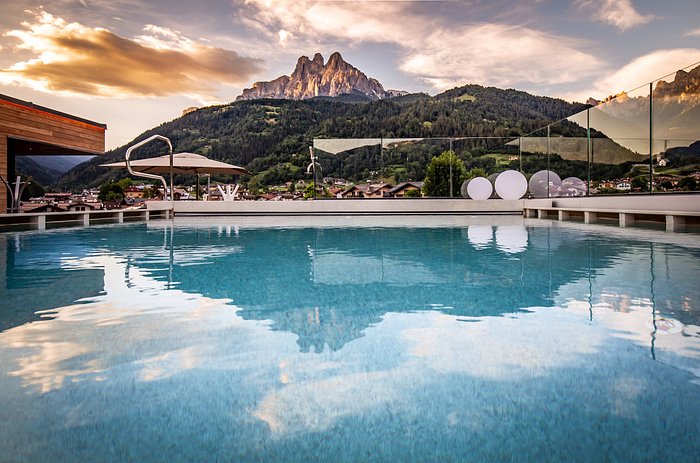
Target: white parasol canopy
183	163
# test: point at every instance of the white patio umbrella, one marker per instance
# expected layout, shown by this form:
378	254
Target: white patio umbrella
183	163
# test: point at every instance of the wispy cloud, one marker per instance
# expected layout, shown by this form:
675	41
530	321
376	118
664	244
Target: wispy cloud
645	69
431	48
75	59
693	33
619	13
499	55
638	73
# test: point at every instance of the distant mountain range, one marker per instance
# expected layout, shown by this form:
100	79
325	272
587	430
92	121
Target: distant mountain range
314	78
676	112
47	169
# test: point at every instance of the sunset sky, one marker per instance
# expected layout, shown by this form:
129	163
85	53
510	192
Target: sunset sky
134	64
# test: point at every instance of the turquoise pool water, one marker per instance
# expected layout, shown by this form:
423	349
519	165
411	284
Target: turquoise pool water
455	339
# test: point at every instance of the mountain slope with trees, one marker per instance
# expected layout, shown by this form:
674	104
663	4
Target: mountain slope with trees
271	137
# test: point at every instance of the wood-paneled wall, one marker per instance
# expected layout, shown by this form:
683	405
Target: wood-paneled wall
36	124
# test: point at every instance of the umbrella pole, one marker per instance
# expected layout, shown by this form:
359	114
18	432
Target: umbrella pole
196	194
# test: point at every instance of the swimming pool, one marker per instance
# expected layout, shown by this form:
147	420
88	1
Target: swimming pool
446	339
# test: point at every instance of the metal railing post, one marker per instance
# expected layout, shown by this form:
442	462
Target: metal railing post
154	176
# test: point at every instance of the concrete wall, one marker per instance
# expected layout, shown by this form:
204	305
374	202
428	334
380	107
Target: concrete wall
343	206
656	202
679	203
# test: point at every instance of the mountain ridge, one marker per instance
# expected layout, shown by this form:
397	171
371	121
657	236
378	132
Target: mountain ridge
314	77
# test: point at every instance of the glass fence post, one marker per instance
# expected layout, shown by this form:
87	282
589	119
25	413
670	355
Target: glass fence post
381	159
450	167
520	153
549	193
651	138
589	150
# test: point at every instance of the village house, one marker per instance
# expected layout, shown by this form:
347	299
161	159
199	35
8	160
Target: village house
41	207
378	190
335	181
112	205
82	206
400	190
134	192
58	197
355	191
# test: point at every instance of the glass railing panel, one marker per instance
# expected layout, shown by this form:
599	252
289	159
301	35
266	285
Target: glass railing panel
341	164
568	158
620	143
534	159
486	157
406	160
444	172
676	131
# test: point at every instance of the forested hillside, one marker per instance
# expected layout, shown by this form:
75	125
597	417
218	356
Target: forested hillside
271	137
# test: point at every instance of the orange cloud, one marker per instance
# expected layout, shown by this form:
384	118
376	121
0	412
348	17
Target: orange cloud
75	59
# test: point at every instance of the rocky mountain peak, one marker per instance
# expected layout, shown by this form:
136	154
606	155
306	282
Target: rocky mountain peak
684	84
312	78
335	60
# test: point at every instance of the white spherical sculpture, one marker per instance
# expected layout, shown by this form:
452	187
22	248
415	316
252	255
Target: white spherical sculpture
511	184
492	179
479	188
573	186
545	184
463	189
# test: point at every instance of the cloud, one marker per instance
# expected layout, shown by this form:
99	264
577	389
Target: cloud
639	72
499	55
693	33
431	47
71	58
646	69
284	37
618	13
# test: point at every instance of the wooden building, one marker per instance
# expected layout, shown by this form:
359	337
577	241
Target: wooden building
27	129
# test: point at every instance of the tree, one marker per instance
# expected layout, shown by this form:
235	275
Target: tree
309	191
665	185
125	183
437	177
640	183
688	184
32	190
254	186
111	191
412	194
475	172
